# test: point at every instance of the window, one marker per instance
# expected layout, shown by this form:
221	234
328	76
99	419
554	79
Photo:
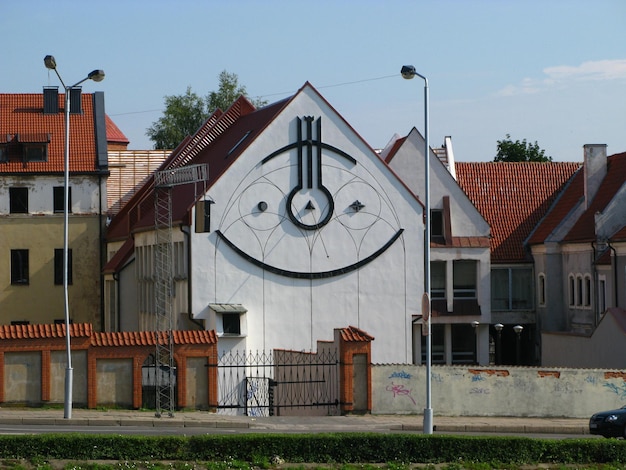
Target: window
58	266
438	279
511	289
58	193
541	288
587	293
572	290
19	267
4	152
230	319
464	279
230	322
203	216
436	223
579	290
35	152
18	200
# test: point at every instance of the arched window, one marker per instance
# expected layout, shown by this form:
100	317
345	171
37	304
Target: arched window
572	290
587	286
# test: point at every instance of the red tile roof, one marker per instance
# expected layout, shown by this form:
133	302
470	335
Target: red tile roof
44	331
584	228
114	134
210	145
136	338
513	198
354	334
461	242
22	114
148	338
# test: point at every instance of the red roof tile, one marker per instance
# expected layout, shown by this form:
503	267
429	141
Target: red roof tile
114	134
23	114
584	228
40	331
354	334
513	198
148	338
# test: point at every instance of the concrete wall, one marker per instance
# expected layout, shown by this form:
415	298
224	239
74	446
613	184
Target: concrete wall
497	391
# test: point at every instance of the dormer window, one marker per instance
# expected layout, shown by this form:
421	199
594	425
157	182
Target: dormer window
34	147
4	147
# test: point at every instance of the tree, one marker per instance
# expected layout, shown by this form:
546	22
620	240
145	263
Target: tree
509	151
184	114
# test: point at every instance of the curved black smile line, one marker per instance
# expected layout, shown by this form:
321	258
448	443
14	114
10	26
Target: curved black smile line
305	275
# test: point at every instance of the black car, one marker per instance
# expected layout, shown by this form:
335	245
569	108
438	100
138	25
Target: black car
609	423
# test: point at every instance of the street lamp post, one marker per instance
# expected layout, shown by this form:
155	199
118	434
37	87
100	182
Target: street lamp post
408	72
498	327
96	76
518	349
475	325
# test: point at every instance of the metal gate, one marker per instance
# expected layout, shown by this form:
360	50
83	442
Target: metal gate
279	383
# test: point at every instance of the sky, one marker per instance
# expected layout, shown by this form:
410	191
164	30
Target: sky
545	71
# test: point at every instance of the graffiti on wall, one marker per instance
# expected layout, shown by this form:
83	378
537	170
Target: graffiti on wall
398	389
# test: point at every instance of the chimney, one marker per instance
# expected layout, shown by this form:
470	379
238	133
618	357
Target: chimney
595	169
76	105
50	99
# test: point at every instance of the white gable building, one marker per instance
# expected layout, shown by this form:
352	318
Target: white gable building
301	228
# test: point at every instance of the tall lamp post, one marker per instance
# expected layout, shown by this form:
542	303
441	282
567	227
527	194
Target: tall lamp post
498	327
518	349
96	76
408	72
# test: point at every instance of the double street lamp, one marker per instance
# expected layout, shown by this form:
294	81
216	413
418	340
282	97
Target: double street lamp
96	76
408	72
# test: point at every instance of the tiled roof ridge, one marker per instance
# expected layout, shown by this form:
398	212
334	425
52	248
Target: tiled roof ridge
148	338
354	334
44	330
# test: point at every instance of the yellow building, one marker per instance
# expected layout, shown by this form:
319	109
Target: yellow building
32	146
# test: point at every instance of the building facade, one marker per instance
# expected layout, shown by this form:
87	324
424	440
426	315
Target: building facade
32	136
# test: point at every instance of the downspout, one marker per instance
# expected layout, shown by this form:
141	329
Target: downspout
101	251
614	263
187	233
118	301
596	291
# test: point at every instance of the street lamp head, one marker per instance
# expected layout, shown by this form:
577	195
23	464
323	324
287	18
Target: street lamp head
408	72
475	324
96	75
498	326
50	62
518	329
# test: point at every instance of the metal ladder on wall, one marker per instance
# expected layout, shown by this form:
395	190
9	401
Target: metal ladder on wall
165	371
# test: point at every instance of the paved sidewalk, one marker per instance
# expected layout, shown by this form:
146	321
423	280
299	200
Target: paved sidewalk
361	423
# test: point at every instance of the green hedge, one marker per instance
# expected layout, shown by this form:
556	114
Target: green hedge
315	448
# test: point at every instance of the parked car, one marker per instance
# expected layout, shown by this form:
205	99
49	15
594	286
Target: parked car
610	423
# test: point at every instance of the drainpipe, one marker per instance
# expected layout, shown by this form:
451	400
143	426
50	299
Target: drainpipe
101	251
118	301
596	301
614	263
187	233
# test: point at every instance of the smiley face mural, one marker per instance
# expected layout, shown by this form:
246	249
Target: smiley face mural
309	210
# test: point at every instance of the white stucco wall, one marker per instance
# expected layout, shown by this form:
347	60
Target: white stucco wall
294	313
497	391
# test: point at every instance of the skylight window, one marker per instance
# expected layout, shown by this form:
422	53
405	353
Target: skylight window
238	143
